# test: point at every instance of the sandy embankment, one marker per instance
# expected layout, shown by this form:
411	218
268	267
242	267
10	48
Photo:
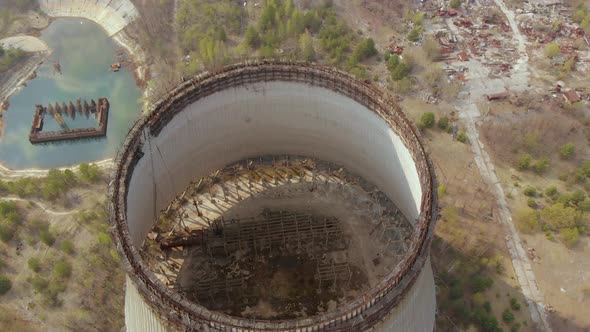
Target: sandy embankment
13	79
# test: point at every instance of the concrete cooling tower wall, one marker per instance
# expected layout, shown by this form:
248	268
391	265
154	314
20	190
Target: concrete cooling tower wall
112	15
274	108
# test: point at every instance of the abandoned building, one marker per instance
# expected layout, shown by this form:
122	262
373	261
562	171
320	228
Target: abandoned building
275	196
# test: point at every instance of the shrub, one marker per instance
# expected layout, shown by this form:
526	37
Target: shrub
567	151
63	270
67	247
306	47
514	304
541	166
399	69
551	191
442	190
427	120
7	231
34	264
443	122
104	239
569	236
46	237
251	38
579	15
559	216
507	316
515	327
365	49
480	284
524	162
39	283
89	172
455	4
527	220
450	214
5	285
530	192
552	50
462	137
531	203
414	34
418	18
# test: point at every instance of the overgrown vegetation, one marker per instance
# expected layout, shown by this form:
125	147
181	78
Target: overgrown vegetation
10	57
54	186
10	220
208	28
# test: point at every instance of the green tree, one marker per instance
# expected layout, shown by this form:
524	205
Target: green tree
567	151
443	122
579	15
62	270
5	285
559	216
252	38
527	220
34	264
507	316
414	34
418	18
455	4
552	50
514	304
399	69
541	166
462	137
427	120
91	172
480	284
306	47
569	236
524	162
365	49
47	238
67	247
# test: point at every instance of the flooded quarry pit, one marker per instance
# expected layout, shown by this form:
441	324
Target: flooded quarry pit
77	69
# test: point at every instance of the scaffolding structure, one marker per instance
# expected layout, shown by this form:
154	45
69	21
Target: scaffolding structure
281	230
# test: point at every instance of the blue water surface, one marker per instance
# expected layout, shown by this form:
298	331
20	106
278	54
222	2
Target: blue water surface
85	53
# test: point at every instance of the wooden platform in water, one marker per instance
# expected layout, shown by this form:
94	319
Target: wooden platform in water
100	111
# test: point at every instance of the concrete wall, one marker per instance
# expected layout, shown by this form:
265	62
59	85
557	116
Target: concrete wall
112	15
139	317
278	118
416	311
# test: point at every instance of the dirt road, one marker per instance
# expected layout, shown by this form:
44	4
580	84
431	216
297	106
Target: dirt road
39	204
479	84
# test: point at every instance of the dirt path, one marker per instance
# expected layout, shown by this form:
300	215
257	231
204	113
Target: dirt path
39	204
10	174
480	84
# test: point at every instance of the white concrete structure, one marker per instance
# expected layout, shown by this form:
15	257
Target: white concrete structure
25	43
112	15
264	118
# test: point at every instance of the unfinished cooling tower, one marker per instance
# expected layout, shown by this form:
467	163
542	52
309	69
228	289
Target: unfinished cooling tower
275	196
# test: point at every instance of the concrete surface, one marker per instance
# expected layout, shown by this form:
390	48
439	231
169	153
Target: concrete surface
112	15
276	118
25	43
